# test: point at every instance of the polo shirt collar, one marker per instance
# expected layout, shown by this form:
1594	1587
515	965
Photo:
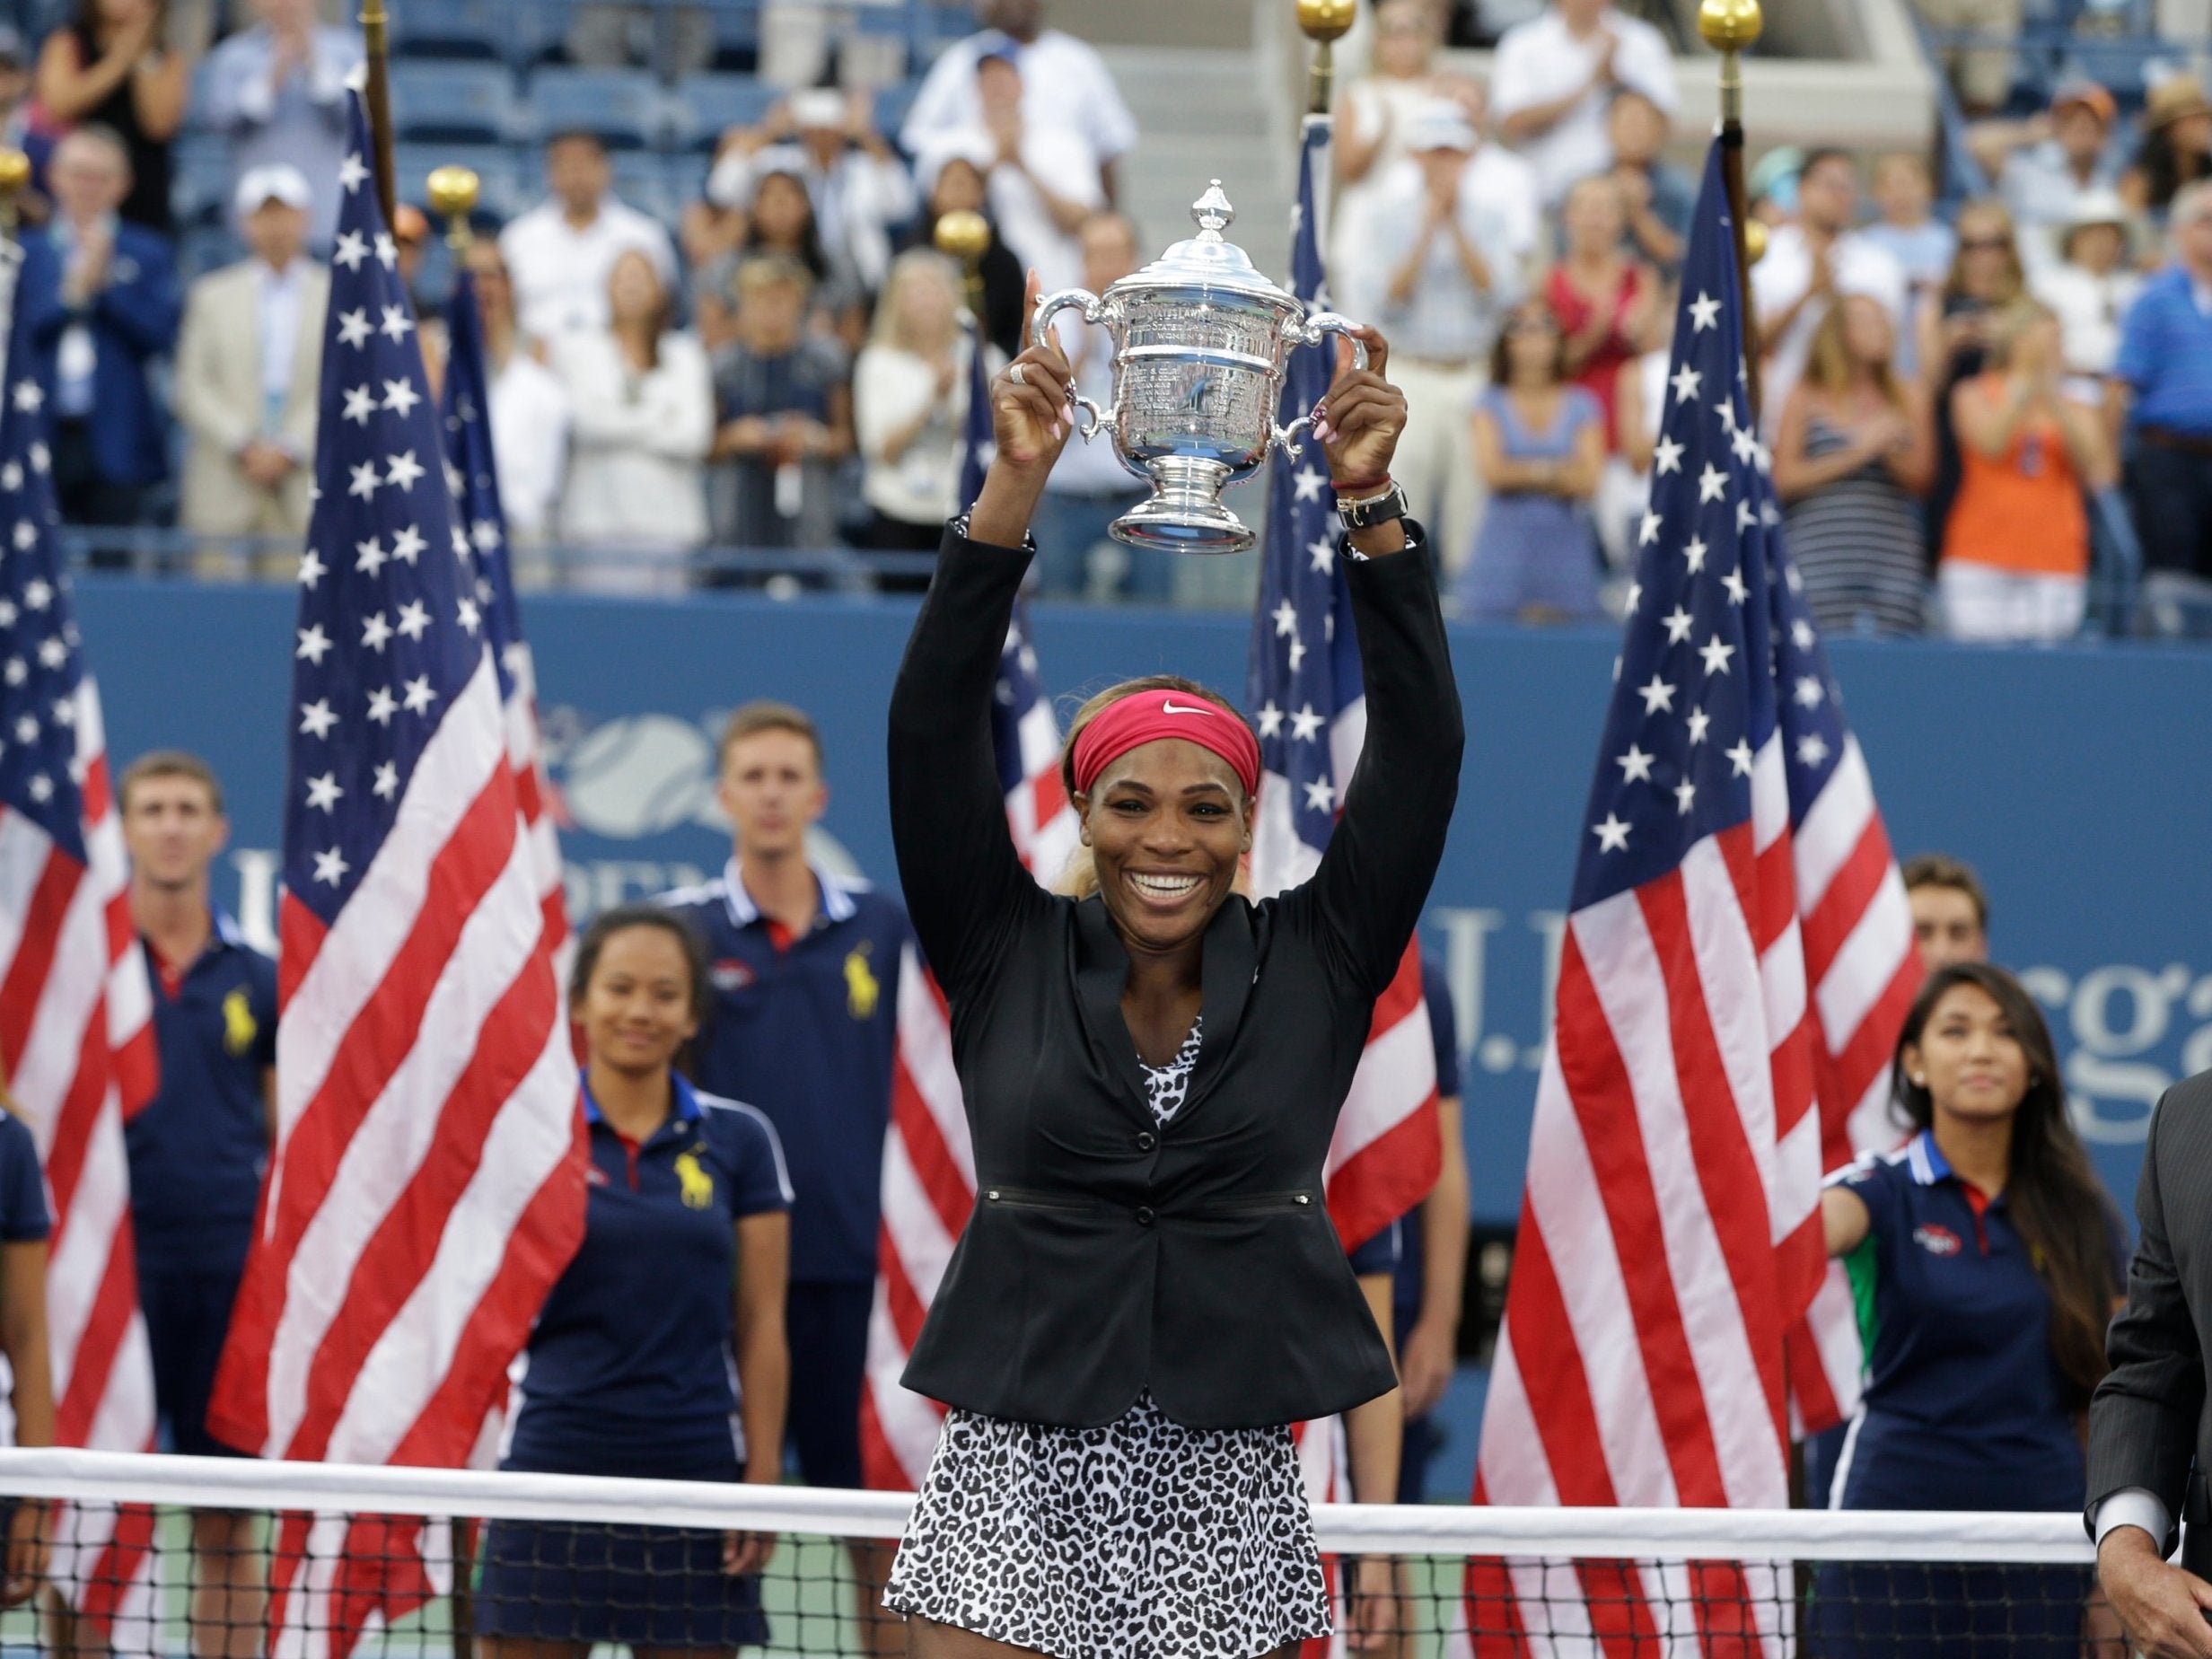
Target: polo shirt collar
228	931
837	898
688	1106
1926	1160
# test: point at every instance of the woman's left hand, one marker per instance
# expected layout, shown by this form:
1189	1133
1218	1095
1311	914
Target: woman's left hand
1371	1606
746	1553
1359	421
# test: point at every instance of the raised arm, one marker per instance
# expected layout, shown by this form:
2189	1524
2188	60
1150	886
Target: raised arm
1373	881
963	885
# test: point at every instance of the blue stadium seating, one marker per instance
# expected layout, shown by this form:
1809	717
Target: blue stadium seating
509	179
737	35
641	179
892	104
200	177
435	103
467	28
625	107
708	104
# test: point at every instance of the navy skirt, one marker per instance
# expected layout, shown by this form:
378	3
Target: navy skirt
1930	1610
640	1585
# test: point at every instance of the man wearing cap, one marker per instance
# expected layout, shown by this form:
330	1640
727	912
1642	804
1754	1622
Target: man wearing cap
1454	224
560	253
1555	74
248	362
2091	288
99	306
2162	389
2042	165
278	90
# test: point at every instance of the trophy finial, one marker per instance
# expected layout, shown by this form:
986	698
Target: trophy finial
1212	212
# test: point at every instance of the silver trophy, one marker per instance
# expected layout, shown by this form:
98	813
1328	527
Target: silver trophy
1200	342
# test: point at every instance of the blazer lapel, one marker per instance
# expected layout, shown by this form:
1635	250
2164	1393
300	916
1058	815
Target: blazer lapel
1102	974
1232	959
1225	980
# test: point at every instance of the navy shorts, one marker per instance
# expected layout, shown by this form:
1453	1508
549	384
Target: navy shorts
651	1586
827	1326
188	1315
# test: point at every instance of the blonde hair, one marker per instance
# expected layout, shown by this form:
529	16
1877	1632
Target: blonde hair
915	265
2013	322
1078	879
1828	364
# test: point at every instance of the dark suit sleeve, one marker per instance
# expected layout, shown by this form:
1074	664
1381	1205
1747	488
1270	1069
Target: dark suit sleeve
1375	877
2143	1420
143	312
39	293
965	885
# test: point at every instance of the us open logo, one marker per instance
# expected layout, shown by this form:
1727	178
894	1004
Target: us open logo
1936	1241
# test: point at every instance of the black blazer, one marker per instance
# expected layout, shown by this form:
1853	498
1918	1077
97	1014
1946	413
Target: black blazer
1107	1255
2149	1420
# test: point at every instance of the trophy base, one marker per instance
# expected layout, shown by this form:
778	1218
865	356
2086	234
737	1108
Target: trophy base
1183	514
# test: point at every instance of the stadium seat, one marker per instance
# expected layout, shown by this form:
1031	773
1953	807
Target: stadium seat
641	179
205	248
452	103
199	186
467	28
892	104
625	107
737	35
708	105
539	32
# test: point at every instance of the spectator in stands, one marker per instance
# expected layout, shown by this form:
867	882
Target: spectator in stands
1043	178
25	1225
660	1351
1811	261
1640	399
804	1025
529	411
278	90
562	252
784	416
99	306
198	1149
1657	195
1453	228
1922	245
1370	141
910	401
954	176
676	40
1089	487
1989	1254
1539	443
109	65
805	43
860	189
1064	84
1956	326
780	219
248	380
1556	75
16	81
2042	165
1980	67
2015	551
641	400
2161	392
1432	1267
1950	910
2091	288
1854	454
1598	293
2176	150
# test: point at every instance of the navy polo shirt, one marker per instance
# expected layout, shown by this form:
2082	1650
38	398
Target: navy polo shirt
628	1370
1966	1407
805	1028
199	1147
23	1216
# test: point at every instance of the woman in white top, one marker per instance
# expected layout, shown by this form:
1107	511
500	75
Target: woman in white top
642	398
528	412
909	405
1372	118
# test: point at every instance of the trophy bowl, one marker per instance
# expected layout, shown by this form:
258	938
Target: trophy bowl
1201	341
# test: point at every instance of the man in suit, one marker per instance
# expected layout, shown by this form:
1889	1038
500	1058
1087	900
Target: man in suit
2149	1420
248	366
99	303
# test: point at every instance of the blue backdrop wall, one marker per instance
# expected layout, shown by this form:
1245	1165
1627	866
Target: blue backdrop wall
2079	782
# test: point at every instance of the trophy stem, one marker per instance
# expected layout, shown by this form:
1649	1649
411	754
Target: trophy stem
1183	514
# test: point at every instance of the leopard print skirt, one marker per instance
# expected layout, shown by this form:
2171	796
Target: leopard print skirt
1140	1538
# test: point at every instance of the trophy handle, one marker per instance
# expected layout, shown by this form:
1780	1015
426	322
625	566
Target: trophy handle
1311	331
1094	310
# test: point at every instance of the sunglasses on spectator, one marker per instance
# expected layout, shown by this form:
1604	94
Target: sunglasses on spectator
1984	244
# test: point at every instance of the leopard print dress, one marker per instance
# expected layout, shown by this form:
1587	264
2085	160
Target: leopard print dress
1142	1537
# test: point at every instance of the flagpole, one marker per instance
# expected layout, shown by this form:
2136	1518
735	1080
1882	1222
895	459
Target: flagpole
1728	27
377	95
1324	22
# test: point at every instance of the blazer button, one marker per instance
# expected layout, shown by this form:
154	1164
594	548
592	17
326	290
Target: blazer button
1144	1215
1146	1140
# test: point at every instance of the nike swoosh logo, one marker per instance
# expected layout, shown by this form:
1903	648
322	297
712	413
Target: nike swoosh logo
1167	706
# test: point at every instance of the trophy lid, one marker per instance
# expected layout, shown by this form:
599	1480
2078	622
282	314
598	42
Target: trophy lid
1209	260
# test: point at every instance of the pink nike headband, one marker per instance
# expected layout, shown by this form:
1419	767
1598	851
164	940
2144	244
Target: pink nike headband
1146	716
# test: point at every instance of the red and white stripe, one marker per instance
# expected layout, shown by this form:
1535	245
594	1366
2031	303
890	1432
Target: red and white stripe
428	1184
76	1038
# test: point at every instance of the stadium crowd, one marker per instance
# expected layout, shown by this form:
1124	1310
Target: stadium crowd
1984	395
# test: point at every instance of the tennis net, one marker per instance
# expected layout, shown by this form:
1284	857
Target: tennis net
228	1560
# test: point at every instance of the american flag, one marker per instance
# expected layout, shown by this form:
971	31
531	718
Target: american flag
76	1009
929	1174
427	1183
1311	709
1737	960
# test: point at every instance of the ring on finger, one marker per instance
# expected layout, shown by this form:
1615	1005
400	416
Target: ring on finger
1017	375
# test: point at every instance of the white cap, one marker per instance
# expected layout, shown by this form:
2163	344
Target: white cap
819	106
1440	124
279	181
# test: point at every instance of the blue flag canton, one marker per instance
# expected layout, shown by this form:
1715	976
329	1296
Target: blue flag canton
41	662
1714	628
1304	655
391	626
473	473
